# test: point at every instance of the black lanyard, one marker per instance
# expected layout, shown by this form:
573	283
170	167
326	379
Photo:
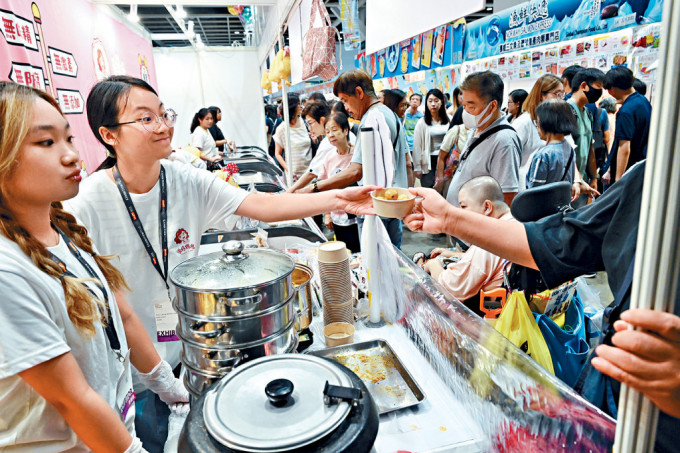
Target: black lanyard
110	328
163	226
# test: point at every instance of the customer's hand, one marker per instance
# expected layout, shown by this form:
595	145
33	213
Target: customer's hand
648	360
328	221
429	213
417	174
357	200
607	178
593	188
575	191
446	253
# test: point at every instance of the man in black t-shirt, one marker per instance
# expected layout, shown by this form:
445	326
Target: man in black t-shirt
632	122
599	236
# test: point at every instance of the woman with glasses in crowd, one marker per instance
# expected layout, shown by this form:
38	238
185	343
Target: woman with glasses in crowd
152	213
546	87
516	100
67	334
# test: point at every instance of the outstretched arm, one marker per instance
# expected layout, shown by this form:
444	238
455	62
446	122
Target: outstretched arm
433	214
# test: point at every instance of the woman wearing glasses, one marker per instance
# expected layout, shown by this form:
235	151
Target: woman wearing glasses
152	214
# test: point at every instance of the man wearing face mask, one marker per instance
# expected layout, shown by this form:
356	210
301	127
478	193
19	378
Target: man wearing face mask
493	149
586	87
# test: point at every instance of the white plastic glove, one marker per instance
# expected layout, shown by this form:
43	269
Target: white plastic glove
135	446
178	415
163	383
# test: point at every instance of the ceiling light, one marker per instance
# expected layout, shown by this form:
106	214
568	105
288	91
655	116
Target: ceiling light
133	13
488	8
180	12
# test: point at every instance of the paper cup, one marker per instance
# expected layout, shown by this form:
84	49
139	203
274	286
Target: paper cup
332	252
338	333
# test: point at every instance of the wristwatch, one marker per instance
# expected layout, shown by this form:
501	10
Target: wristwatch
315	187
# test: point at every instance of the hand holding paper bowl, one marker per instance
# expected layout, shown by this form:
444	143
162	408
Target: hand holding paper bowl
393	202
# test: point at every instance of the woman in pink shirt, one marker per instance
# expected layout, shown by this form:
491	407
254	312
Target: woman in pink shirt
342	223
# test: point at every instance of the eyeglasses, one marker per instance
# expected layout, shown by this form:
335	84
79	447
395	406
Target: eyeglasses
151	122
559	94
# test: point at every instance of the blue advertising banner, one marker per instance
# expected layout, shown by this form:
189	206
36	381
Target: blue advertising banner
436	48
540	22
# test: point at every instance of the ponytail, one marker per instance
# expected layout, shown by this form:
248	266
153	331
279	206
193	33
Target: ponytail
198	116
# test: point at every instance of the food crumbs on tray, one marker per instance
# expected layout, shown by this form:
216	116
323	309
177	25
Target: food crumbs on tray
442	428
369	368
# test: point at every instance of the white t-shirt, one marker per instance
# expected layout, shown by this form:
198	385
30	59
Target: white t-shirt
201	138
197	201
531	142
35	328
300	143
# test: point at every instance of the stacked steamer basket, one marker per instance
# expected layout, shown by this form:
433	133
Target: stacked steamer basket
336	282
233	307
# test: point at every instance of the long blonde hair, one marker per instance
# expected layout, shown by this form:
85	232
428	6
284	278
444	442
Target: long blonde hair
84	310
545	84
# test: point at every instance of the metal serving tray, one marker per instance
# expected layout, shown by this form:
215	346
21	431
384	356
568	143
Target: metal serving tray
388	381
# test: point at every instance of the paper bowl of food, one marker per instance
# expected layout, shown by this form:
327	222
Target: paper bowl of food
393	202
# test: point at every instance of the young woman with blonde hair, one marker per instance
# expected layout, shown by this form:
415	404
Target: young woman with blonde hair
65	328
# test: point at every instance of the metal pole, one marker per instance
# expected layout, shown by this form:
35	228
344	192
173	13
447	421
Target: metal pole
286	120
369	249
657	261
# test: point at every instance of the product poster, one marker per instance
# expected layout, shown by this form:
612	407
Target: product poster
381	63
439	43
538	22
426	58
46	45
403	59
415	47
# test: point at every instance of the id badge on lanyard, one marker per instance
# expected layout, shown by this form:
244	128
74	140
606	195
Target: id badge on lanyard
125	395
164	314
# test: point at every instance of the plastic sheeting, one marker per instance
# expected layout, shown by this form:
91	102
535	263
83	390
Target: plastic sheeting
517	404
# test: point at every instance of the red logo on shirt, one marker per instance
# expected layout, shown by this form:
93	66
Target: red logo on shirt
181	236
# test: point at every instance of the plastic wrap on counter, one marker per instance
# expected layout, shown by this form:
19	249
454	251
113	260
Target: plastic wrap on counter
518	404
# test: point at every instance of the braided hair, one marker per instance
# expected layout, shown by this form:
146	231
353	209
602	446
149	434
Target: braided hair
84	310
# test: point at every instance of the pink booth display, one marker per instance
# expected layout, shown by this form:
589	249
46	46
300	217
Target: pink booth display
64	48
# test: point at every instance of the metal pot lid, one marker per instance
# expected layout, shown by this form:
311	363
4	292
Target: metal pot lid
234	269
242	413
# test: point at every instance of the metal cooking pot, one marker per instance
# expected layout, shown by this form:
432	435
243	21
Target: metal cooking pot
223	358
302	281
290	402
234	283
229	331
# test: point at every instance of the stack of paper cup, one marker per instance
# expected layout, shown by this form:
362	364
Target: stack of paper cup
336	282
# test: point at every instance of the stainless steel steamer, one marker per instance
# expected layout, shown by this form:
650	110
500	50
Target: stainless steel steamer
233	307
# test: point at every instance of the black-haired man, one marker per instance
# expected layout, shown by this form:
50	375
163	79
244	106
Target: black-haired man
632	122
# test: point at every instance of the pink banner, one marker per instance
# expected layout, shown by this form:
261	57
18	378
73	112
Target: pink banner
64	47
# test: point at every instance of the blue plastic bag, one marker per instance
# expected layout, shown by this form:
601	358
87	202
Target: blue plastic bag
568	346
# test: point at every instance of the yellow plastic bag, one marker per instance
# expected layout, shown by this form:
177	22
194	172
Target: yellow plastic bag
275	71
519	326
265	83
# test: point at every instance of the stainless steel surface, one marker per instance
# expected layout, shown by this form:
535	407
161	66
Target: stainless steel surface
388	381
235	283
249	269
304	296
222	358
238	413
197	381
229	331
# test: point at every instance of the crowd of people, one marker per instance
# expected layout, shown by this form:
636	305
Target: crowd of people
71	310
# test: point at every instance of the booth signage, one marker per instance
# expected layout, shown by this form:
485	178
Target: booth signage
540	22
28	75
70	101
17	30
63	63
440	47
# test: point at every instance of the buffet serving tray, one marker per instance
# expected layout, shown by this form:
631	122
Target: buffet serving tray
388	381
